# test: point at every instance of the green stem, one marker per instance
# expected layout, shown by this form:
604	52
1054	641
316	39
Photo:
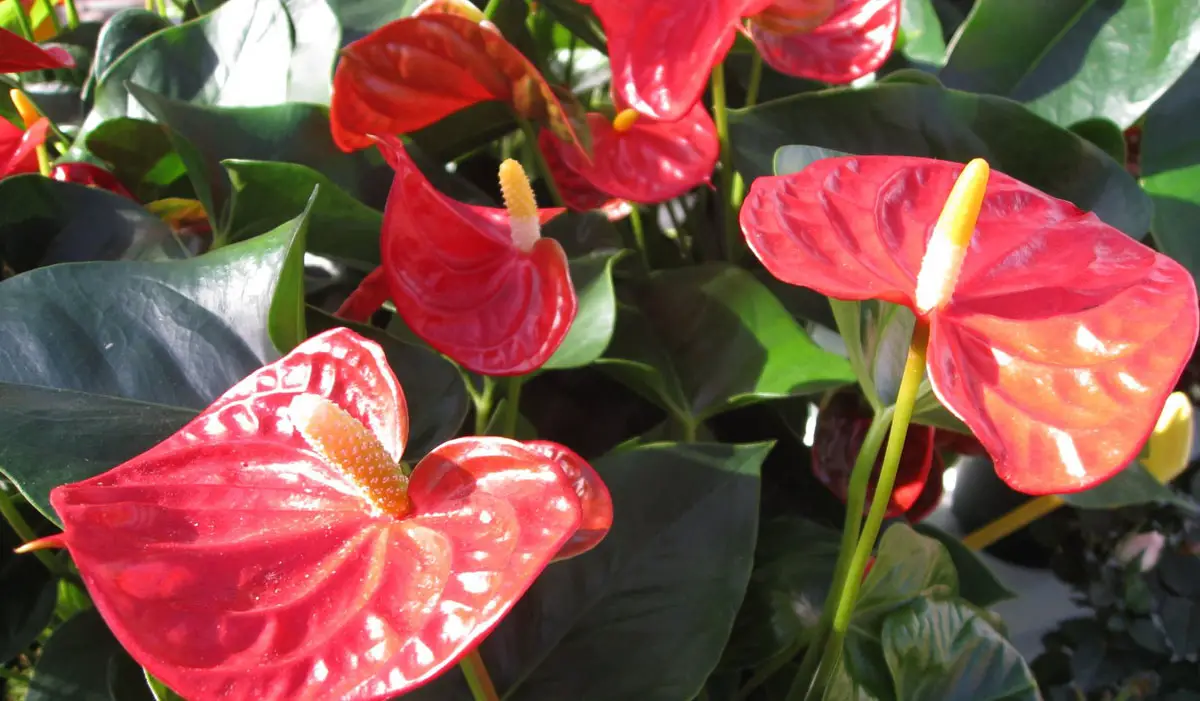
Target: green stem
484	401
13	675
160	7
482	688
48	8
23	22
492	7
512	404
856	499
639	234
914	369
721	114
21	527
531	143
570	72
72	13
756	71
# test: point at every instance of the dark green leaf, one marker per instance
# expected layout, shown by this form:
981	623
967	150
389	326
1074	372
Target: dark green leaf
266	194
116	356
75	662
579	19
120	32
1104	134
923	120
1072	60
29	596
433	388
1181	620
139	153
361	17
1170	162
597	315
1133	485
921	33
127	680
907	565
583	233
293	133
47	221
160	691
943	650
464	131
976	581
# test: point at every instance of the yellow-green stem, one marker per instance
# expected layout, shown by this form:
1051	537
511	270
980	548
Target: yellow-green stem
639	234
484	402
531	143
492	7
21	527
756	71
43	159
23	22
512	406
482	688
48	8
721	116
914	369
72	13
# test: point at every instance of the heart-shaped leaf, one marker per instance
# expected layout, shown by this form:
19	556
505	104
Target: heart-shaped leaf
928	121
119	33
1071	61
921	33
596	318
976	581
55	222
75	662
140	154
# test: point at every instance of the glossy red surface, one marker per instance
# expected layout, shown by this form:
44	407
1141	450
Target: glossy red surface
461	283
18	147
854	41
415	71
594	498
89	174
578	194
18	55
1062	339
650	163
841	428
233	562
663	52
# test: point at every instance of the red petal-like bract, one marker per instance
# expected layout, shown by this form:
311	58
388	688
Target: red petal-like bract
853	42
233	562
92	175
841	427
651	162
1063	336
578	194
415	71
18	147
594	498
662	52
462	284
18	55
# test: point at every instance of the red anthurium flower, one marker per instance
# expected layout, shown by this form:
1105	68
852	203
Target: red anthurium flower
18	147
18	55
1062	337
579	195
594	498
662	52
273	548
415	71
841	428
479	284
850	39
639	160
89	174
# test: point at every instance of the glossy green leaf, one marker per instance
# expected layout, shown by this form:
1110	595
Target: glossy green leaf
943	650
293	133
29	596
1170	162
976	581
583	233
464	131
140	154
47	221
75	662
361	17
160	691
119	33
246	53
907	565
718	339
1072	60
596	318
1131	486
127	680
579	19
116	356
921	33
1104	134
793	569
924	120
433	388
265	194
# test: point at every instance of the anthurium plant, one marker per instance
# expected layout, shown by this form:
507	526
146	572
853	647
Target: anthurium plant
593	349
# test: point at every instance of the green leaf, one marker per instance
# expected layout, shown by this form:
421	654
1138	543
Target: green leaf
907	565
464	131
596	318
47	221
294	133
921	33
976	581
127	681
924	120
943	650
246	53
361	17
1132	485
1170	161
119	33
646	614
583	233
116	356
29	596
264	194
718	339
1104	134
139	153
793	569
160	691
1181	620
579	19
1073	60
433	388
74	664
